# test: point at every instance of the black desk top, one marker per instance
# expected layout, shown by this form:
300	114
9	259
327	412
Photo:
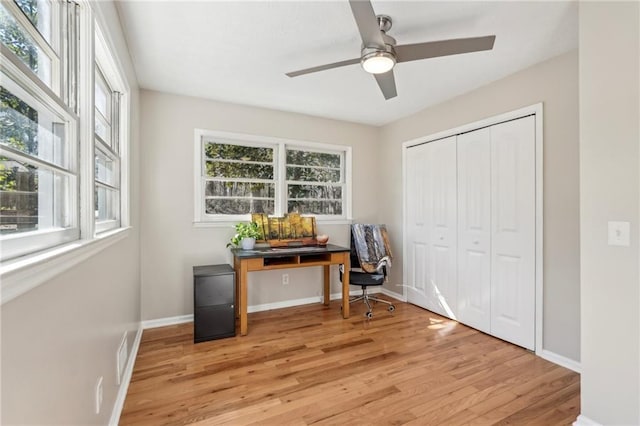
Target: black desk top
265	252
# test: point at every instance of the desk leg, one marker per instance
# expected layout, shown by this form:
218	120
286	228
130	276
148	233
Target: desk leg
242	288
236	268
345	286
327	284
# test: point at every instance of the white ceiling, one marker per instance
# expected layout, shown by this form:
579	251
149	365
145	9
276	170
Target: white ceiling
238	51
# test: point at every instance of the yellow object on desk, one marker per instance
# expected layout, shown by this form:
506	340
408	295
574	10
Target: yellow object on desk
291	229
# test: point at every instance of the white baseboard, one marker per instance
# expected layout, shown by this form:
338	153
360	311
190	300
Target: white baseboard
393	294
162	322
181	319
126	379
583	420
560	360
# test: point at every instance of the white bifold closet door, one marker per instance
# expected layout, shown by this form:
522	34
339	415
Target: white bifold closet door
513	222
471	229
432	237
474	229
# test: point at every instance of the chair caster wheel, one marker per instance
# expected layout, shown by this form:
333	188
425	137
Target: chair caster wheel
391	308
369	315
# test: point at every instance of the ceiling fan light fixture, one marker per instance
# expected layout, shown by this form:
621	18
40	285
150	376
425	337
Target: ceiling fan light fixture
378	62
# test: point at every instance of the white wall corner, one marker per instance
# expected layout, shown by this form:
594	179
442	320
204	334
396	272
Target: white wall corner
583	420
126	379
393	294
561	360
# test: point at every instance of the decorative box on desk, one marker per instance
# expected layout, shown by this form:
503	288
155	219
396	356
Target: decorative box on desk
214	300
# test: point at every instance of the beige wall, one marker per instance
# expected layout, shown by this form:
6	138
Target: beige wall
555	83
60	337
171	245
610	191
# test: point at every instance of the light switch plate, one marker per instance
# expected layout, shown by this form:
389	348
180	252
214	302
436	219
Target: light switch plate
619	234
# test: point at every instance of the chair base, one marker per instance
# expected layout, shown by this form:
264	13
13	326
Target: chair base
367	301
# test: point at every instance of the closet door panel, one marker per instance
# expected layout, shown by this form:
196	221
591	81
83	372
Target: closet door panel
417	225
442	247
474	229
513	231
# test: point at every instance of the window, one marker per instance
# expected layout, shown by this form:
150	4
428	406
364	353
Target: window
25	29
61	166
239	179
39	142
107	160
238	175
315	181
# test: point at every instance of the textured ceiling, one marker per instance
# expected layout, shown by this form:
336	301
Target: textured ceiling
239	51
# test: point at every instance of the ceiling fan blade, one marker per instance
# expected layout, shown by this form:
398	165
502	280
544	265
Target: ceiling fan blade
433	49
324	67
367	23
387	84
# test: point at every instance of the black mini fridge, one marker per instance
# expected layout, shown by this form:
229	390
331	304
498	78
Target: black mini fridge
214	301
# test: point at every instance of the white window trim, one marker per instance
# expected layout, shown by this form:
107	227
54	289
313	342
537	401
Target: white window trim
202	220
22	274
113	71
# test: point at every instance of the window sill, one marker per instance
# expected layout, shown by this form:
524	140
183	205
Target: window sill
21	275
231	223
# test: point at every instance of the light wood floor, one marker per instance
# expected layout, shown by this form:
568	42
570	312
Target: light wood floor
306	365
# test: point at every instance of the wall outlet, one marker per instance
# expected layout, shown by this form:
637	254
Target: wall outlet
619	234
99	395
121	359
285	279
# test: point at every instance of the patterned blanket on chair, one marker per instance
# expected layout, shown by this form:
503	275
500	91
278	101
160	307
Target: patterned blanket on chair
371	243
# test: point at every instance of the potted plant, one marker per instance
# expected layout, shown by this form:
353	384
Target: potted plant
246	235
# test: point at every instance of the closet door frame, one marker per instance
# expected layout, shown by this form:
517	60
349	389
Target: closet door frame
537	111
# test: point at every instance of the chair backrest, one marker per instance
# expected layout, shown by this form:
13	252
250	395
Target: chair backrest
369	247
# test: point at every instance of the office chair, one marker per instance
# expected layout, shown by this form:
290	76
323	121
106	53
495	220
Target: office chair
370	263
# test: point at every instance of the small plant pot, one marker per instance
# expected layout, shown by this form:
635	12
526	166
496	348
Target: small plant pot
248	243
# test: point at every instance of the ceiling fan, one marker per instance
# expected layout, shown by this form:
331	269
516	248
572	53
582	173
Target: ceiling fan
380	54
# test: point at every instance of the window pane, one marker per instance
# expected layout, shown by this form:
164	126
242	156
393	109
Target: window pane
103	129
105	169
219	151
307	158
35	132
309	174
22	45
315	207
103	97
315	192
32	198
239	170
106	204
240	189
238	206
39	13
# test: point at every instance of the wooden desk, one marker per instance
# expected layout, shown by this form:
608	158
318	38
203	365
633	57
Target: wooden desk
267	259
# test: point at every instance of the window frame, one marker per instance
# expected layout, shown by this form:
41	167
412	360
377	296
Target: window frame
117	149
45	97
342	184
202	136
204	179
49	48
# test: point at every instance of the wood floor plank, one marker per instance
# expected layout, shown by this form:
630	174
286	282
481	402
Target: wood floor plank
306	365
